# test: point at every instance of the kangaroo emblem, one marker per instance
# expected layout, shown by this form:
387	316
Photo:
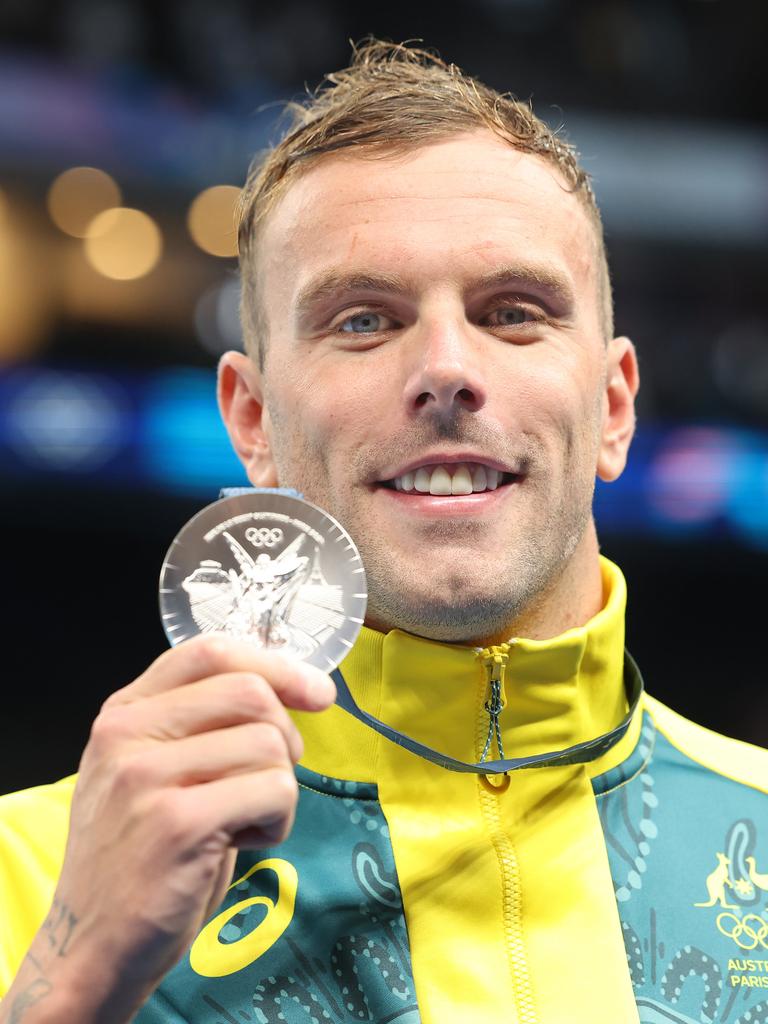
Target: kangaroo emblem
716	883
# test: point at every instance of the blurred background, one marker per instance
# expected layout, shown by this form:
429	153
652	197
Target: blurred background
125	131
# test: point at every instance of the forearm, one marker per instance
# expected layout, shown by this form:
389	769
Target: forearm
34	997
58	982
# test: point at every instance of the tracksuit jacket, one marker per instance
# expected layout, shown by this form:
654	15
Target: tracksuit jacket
630	888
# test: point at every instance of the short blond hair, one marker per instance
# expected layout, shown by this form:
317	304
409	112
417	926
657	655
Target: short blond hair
394	98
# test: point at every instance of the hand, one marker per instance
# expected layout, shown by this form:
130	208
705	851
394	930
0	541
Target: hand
185	765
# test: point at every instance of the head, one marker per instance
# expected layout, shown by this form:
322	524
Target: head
426	303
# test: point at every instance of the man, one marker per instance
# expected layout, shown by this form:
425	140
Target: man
431	358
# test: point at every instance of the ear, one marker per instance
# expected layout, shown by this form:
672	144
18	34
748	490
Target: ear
241	403
621	385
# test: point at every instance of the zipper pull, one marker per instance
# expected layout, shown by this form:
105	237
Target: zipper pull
495	660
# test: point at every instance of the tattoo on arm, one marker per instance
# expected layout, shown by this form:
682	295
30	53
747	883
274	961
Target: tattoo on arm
58	928
59	925
32	994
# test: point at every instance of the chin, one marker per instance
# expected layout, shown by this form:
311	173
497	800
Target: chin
460	618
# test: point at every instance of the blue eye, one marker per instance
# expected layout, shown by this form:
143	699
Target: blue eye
510	316
361	323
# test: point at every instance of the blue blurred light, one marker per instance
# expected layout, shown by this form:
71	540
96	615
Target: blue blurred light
184	446
748	492
65	421
688	480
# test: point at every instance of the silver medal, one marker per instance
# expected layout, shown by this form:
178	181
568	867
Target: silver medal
269	568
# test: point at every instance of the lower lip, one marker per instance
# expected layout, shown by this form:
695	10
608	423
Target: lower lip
449	504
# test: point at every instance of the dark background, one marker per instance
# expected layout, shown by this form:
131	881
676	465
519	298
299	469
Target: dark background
108	440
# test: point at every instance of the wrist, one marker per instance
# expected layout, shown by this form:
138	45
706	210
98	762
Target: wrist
53	989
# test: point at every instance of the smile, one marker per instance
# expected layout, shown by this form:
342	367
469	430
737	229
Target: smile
454	479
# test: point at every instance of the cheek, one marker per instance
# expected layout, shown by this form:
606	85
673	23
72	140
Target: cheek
312	420
289	407
343	397
560	404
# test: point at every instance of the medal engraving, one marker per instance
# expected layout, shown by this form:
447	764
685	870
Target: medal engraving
268	568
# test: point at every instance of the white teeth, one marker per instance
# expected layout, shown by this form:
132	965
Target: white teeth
421	480
479	478
462	481
449	479
440	483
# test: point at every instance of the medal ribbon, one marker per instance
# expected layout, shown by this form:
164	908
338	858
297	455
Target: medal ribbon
579	753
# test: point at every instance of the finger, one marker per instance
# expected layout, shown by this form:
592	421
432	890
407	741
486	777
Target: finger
239	750
260	805
297	684
226	700
222	884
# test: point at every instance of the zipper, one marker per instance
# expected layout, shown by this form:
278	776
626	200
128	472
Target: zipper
495	662
493	699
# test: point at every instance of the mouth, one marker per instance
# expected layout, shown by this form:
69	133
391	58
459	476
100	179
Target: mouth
450	479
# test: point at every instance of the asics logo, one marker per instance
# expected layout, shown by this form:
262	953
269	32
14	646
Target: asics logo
212	958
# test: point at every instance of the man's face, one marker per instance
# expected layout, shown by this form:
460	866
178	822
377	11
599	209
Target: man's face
436	374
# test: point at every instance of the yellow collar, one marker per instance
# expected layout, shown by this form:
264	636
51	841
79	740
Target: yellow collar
558	692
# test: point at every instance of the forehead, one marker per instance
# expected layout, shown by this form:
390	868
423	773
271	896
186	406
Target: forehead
442	212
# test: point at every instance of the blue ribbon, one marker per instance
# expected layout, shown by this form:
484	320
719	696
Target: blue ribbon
579	753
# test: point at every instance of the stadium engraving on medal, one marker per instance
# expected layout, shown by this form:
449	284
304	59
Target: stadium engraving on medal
269	568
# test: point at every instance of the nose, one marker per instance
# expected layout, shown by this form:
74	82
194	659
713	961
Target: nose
445	374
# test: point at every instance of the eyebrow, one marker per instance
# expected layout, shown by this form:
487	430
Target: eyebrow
335	282
545	279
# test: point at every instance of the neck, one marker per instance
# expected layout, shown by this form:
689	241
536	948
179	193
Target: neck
557	691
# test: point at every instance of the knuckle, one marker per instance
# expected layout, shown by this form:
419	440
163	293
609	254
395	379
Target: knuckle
271	741
285	787
168	809
209	654
113	700
278	831
132	772
254	693
108	727
297	742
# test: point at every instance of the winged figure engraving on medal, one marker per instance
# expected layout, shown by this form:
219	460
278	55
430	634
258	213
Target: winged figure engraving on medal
268	567
272	600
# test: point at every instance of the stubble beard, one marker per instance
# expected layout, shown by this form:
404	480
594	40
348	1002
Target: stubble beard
513	581
483	600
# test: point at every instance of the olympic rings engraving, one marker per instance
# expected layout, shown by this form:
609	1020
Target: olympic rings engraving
264	536
740	928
